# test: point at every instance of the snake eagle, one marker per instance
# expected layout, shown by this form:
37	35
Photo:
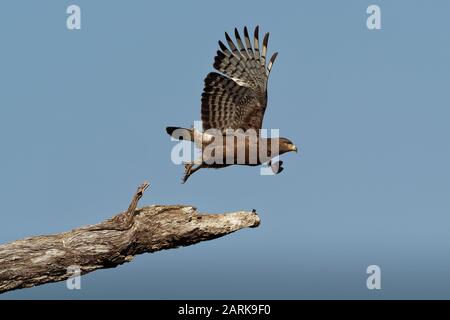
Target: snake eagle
233	103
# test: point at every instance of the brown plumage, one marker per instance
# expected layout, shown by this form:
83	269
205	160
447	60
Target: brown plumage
235	100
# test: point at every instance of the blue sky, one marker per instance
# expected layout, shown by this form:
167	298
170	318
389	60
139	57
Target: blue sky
82	118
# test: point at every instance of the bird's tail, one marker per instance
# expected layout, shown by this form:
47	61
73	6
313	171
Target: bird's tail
180	133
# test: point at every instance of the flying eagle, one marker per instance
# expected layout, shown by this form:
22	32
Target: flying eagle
233	105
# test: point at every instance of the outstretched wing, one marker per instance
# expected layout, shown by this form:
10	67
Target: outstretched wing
237	98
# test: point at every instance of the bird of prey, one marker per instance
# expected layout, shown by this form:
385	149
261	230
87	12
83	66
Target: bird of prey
233	105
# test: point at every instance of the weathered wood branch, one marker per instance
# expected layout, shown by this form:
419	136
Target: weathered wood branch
42	259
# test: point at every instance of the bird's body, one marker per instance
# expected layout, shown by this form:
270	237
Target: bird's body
233	149
232	110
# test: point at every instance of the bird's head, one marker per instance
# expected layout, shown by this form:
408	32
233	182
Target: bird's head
287	145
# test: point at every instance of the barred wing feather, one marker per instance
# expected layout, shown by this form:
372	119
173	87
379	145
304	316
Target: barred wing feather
236	98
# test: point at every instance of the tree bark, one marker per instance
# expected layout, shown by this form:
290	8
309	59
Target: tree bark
42	259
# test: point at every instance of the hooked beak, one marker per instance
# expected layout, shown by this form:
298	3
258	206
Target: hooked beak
294	148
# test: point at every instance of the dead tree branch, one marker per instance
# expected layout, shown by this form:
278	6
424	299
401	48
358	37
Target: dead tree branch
42	259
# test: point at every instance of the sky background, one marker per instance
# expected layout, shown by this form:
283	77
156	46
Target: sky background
82	118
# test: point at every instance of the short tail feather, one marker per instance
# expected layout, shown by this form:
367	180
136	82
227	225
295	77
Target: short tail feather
180	133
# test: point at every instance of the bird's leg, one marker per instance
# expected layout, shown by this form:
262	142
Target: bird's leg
276	166
189	169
